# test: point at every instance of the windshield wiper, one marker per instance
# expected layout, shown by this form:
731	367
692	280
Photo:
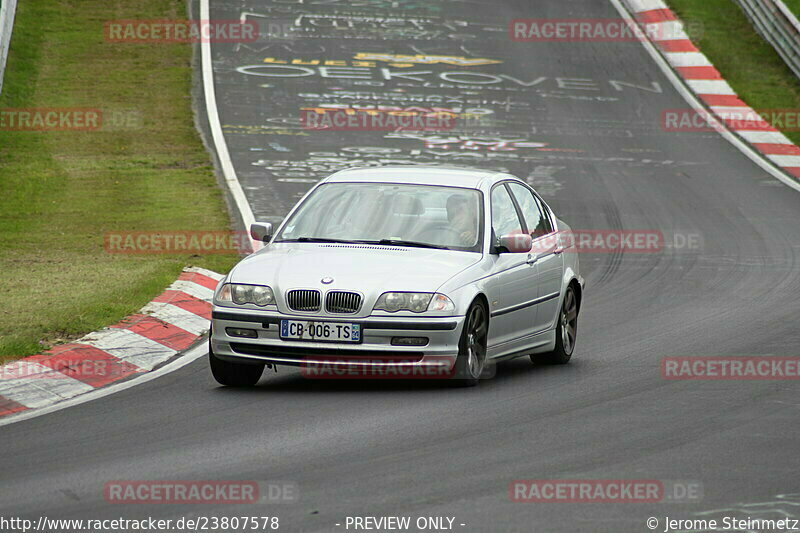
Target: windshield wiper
385	242
399	242
318	239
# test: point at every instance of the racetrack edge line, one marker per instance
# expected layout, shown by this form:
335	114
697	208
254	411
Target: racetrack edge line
218	138
691	98
190	356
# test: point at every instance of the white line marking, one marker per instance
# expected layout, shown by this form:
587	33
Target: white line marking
26	369
189	357
210	273
770	137
229	173
646	5
688	59
40	385
192	289
755	156
130	347
709	86
785	160
669	30
743	114
181	318
8	9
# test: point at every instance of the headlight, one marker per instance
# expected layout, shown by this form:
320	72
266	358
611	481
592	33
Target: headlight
416	302
263	296
239	294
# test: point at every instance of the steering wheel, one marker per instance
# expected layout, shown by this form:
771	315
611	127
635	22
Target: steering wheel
443	233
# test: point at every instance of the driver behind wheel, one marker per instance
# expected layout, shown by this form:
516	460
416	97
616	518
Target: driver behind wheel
463	218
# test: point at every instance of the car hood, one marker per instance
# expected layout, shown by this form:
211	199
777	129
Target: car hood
364	268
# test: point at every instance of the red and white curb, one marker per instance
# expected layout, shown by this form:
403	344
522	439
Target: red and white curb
711	88
169	324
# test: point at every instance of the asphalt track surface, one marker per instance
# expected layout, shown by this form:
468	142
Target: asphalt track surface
424	449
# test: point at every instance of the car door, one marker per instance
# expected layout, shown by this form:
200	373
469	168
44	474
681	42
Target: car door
549	261
511	287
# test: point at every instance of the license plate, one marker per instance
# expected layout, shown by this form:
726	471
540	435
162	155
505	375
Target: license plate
307	330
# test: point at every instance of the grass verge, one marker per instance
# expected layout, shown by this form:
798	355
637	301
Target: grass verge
62	191
750	65
794	6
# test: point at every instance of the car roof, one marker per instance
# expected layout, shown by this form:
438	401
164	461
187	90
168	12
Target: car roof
417	174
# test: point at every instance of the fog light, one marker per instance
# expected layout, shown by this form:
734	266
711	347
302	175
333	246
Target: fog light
409	341
241	332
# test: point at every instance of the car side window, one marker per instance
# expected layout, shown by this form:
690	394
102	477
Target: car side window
504	214
535	215
547	224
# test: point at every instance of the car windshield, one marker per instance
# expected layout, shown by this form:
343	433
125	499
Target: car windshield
392	214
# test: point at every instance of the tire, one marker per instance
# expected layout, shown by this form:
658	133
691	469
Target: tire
471	360
566	332
234	374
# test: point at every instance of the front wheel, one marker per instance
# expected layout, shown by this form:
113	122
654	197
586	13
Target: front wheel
471	359
566	332
234	374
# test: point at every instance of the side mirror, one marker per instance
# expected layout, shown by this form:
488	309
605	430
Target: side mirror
516	243
261	231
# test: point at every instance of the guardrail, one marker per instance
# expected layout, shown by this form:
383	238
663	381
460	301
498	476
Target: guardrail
778	26
7	10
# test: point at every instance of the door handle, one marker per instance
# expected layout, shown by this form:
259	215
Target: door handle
558	251
532	259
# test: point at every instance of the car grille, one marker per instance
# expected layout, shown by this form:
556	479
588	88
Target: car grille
303	300
342	302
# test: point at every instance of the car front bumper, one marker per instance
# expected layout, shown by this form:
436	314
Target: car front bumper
375	349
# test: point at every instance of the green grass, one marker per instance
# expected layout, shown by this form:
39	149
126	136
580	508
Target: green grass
794	6
749	64
62	191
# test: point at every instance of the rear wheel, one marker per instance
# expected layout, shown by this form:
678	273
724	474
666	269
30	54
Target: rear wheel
471	360
234	374
566	332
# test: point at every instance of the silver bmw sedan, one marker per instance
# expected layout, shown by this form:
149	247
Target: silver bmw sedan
401	272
